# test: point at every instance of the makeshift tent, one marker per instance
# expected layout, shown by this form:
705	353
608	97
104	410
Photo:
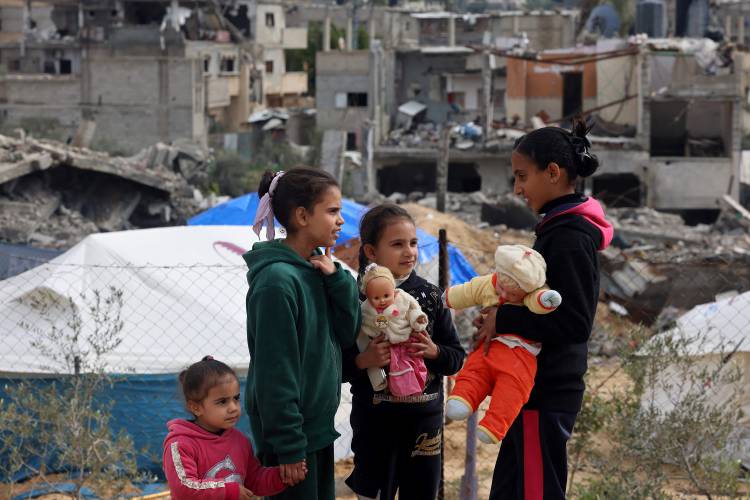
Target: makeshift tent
241	211
183	297
714	333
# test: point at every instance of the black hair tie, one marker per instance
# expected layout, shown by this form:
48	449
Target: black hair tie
581	147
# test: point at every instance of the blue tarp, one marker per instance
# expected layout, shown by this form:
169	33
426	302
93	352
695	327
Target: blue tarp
241	211
15	259
142	406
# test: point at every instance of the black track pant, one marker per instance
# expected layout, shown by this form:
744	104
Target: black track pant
533	463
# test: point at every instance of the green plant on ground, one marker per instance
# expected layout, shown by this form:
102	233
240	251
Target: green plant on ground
234	176
669	412
64	423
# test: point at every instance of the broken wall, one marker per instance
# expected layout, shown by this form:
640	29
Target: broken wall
470	29
340	73
422	78
545	31
534	87
273	81
622	77
401	30
134	101
688	184
469	86
269	24
496	174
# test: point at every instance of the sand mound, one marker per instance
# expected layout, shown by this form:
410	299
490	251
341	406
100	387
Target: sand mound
478	245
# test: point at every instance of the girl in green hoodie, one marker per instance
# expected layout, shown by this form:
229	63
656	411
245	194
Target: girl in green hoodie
302	309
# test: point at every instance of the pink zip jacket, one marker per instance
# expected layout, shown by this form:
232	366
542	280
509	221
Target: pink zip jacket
202	465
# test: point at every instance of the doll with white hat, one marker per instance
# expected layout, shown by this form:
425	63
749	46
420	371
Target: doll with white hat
387	310
518	279
506	367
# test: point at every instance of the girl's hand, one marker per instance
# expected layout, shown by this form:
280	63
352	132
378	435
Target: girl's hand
377	354
485	324
323	263
292	474
246	494
423	347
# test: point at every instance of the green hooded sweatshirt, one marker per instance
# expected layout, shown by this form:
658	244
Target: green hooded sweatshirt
298	320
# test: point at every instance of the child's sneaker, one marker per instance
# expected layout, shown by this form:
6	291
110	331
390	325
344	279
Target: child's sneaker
457	409
486	437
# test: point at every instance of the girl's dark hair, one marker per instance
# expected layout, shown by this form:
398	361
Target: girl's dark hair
570	150
299	187
372	225
200	377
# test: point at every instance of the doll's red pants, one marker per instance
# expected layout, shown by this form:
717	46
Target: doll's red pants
506	374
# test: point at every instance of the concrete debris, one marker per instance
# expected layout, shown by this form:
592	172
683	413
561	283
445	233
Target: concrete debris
509	210
657	260
266	115
397	197
53	194
427	134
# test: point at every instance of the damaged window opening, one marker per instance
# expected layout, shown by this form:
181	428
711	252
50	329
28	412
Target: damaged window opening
690	129
270	22
66	66
410	177
572	93
618	190
207	64
356	99
144	13
351	141
269	67
228	65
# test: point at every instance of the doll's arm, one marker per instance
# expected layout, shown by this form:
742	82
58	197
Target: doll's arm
417	318
478	292
368	320
542	300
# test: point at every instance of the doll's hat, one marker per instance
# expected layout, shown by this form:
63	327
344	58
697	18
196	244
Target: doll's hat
525	265
375	271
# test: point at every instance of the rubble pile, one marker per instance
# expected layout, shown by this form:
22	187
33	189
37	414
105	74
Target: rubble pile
477	209
478	245
53	194
657	265
423	135
664	237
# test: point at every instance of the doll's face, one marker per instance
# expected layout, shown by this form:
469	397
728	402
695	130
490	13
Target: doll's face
380	293
508	289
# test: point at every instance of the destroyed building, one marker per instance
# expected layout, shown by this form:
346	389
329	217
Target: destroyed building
52	194
282	86
668	115
423	72
131	73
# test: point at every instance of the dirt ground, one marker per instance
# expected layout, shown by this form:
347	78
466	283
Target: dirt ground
478	245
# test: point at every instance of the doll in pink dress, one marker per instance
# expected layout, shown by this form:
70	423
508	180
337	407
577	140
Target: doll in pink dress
395	313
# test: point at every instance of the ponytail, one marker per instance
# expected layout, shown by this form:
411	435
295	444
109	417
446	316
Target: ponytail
571	150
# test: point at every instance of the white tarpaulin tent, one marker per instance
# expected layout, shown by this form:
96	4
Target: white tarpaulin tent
715	332
183	297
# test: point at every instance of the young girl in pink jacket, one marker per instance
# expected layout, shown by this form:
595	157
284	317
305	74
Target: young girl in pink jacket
207	458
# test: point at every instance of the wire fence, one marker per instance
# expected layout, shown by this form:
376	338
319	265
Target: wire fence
165	317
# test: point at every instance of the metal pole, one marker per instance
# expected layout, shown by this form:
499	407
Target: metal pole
443	281
469	480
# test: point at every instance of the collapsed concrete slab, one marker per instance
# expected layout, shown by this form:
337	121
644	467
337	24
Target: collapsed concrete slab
54	194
